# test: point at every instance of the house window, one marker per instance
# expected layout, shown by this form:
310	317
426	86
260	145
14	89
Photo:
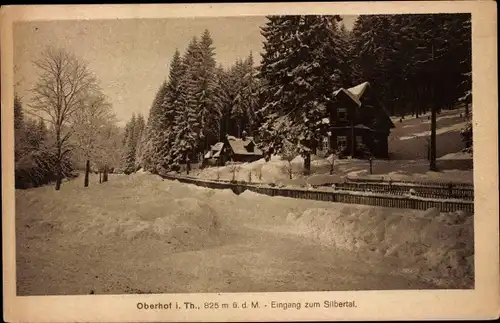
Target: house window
326	142
342	114
341	142
359	141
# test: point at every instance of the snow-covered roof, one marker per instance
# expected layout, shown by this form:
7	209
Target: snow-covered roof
359	89
215	150
356	93
218	146
241	147
349	94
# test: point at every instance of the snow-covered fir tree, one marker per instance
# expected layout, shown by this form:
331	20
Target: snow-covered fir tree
303	62
206	92
130	146
187	126
170	109
140	134
152	132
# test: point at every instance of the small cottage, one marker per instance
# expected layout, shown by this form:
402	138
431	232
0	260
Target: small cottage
241	149
212	156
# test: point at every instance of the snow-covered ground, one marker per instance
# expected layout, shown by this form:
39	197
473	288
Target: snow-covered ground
276	171
142	234
409	139
453	128
408	148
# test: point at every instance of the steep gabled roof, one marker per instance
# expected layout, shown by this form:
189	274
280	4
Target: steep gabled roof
349	94
358	90
239	146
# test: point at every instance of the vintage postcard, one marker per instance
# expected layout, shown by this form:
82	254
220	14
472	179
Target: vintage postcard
250	162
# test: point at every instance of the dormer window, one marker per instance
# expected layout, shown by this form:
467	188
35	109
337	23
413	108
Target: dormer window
342	114
250	146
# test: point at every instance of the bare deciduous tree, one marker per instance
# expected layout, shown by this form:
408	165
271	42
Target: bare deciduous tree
93	130
63	86
288	152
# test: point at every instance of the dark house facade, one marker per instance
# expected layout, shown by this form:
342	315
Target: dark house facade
357	124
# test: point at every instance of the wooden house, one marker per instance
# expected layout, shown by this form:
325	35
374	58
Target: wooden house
213	156
357	124
241	149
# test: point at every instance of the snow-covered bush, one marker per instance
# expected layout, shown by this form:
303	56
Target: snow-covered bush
288	152
234	169
258	173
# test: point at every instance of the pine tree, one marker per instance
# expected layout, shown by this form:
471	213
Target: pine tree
153	130
238	104
130	146
303	61
251	93
187	125
206	92
223	101
165	136
140	125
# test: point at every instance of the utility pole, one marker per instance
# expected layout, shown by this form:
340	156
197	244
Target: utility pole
432	165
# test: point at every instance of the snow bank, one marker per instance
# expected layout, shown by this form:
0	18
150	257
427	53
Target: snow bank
455	127
324	179
166	215
437	247
455	156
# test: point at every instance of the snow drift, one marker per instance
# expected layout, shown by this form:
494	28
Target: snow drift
436	247
138	213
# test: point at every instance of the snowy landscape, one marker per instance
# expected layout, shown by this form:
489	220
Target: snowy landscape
310	153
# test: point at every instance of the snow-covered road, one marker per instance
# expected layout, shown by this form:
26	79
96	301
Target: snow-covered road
140	234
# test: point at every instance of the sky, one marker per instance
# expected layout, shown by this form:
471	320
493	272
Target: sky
131	57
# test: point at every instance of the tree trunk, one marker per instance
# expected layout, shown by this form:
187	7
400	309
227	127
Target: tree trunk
105	174
100	177
188	164
307	164
58	179
371	166
59	161
87	171
432	165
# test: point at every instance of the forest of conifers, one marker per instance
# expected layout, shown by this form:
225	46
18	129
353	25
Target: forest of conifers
414	63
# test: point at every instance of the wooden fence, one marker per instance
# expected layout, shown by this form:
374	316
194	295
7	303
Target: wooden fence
428	191
411	183
349	197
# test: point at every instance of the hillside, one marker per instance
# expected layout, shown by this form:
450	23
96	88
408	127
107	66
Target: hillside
409	139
